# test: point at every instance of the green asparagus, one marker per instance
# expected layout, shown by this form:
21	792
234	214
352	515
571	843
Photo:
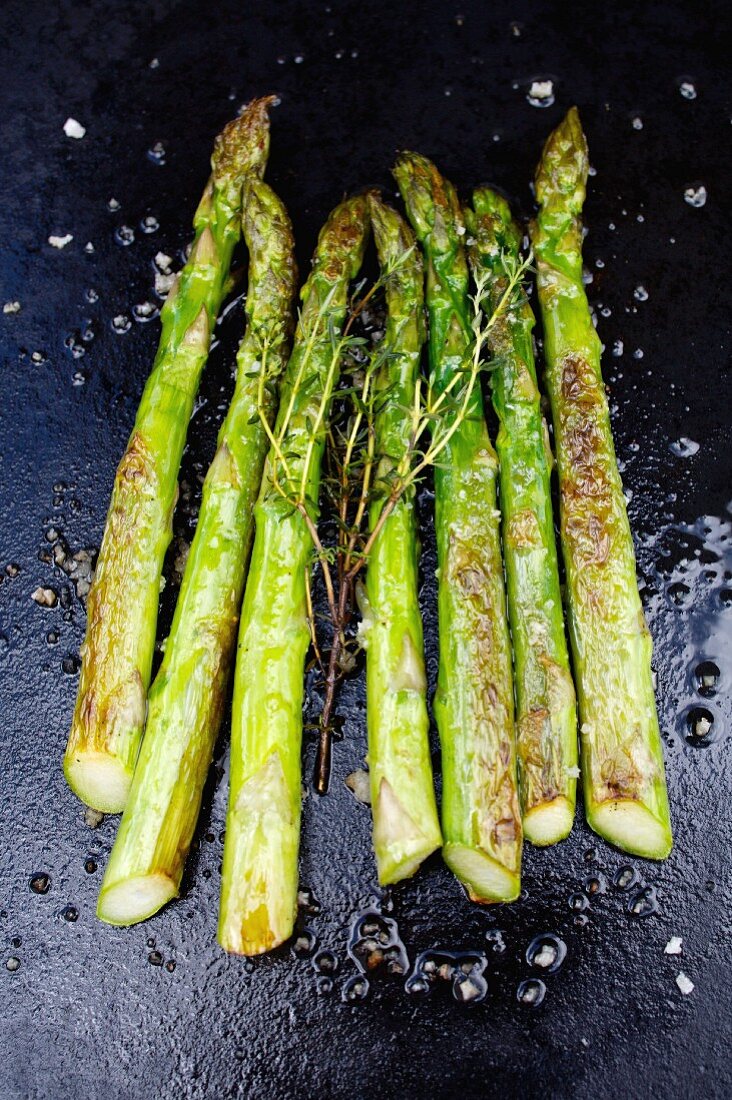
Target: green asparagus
621	755
406	826
123	603
259	878
188	695
481	820
546	721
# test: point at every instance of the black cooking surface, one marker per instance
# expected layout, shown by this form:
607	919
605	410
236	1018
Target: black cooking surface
159	1010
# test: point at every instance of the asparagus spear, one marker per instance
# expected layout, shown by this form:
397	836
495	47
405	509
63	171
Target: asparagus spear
259	878
622	759
406	827
481	821
546	726
123	603
187	698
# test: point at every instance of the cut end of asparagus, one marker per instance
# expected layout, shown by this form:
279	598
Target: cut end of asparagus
485	880
632	828
98	779
399	843
135	899
549	822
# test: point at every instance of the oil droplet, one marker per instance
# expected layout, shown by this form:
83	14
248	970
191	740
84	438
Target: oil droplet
687	90
618	348
644	903
375	942
124	235
640	294
531	992
149	224
591	855
90	866
324	986
578	902
70	913
419	986
170	965
462	969
595	884
678	592
637	122
541	93
707	676
700	723
696	195
326	962
121	323
304	945
355	989
684	447
546	951
625	878
156	153
155	958
494	936
12	964
307	901
40	883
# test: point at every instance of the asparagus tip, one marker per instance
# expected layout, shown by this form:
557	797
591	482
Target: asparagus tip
135	899
631	827
564	163
242	146
99	780
549	822
486	880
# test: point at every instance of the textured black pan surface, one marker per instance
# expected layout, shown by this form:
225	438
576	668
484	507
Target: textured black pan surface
86	1011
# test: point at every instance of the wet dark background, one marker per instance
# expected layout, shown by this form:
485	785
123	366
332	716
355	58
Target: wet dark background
158	1010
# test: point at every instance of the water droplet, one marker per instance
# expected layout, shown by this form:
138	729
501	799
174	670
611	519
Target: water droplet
121	323
707	677
324	986
70	913
684	447
700	724
419	986
355	989
640	294
578	902
71	664
469	988
149	224
644	903
12	964
591	855
170	965
298	59
155	958
637	122
90	865
91	295
112	205
40	883
326	962
638	353
531	992
618	348
546	951
687	90
696	195
625	878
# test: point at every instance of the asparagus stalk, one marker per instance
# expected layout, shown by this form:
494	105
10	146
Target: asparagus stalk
187	698
481	820
622	759
259	878
546	721
406	826
123	603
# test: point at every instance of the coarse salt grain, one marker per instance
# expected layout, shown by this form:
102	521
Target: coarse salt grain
60	242
673	947
684	983
11	307
74	129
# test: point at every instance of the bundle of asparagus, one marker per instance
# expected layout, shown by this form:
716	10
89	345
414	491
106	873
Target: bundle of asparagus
501	780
